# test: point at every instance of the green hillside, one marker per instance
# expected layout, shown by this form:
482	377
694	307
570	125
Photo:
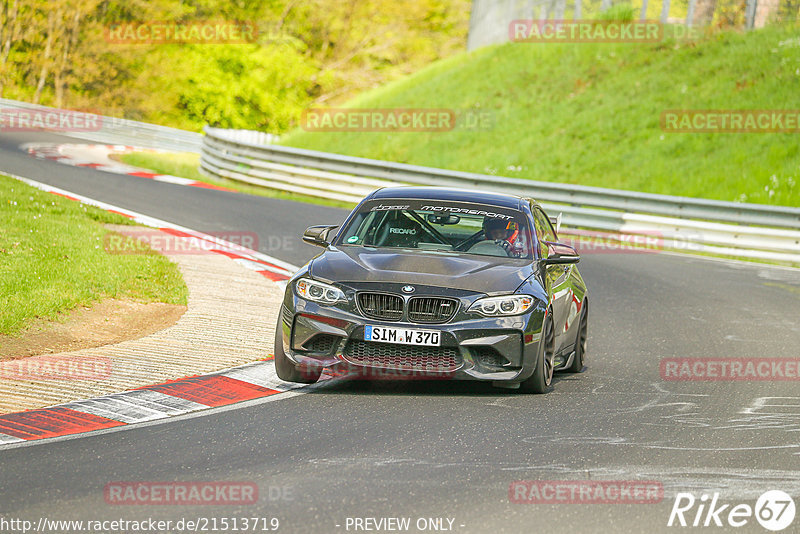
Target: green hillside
590	114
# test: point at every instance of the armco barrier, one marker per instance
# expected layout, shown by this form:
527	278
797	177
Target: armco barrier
724	228
116	131
717	227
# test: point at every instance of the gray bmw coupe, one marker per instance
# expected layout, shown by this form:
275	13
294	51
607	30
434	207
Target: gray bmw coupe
425	282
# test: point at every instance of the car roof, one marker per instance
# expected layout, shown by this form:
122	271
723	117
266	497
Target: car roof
446	193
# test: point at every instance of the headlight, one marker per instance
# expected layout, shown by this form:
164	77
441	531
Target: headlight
318	292
503	305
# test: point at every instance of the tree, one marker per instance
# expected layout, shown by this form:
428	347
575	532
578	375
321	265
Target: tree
704	12
10	31
765	9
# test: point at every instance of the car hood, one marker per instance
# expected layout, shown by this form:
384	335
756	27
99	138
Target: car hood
485	274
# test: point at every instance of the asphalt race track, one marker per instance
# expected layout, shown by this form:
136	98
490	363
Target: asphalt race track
451	450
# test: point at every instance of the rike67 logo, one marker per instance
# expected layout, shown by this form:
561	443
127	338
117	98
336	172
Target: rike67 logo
774	510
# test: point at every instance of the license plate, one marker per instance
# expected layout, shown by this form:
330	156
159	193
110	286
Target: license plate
406	336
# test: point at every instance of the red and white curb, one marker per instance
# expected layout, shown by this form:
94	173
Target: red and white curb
150	403
98	157
252	381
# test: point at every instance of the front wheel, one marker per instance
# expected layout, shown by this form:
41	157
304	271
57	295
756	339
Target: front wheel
285	368
580	343
540	380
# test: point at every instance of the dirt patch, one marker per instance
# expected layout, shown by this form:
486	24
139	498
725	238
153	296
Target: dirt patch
106	322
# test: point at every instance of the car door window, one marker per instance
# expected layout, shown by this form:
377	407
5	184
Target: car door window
544	230
548	232
538	238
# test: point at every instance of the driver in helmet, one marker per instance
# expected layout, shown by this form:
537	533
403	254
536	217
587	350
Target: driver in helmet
496	229
501	232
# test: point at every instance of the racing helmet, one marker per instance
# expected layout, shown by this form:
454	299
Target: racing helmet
492	227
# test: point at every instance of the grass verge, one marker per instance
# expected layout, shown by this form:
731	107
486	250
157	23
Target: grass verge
52	259
590	114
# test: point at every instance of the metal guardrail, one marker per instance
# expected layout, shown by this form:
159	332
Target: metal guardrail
108	130
718	227
724	228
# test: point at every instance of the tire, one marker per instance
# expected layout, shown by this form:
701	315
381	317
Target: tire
542	377
580	341
288	370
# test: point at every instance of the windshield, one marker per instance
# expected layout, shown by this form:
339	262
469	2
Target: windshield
461	227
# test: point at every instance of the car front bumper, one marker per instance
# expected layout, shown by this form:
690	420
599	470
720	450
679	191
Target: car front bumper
473	347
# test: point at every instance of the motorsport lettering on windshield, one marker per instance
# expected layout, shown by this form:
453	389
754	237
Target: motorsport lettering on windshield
381	207
467	211
446	209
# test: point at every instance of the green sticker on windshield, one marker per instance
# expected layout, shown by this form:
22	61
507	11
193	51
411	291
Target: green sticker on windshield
352	239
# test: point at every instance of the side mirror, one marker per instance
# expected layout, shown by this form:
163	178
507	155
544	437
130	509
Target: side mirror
560	254
318	235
